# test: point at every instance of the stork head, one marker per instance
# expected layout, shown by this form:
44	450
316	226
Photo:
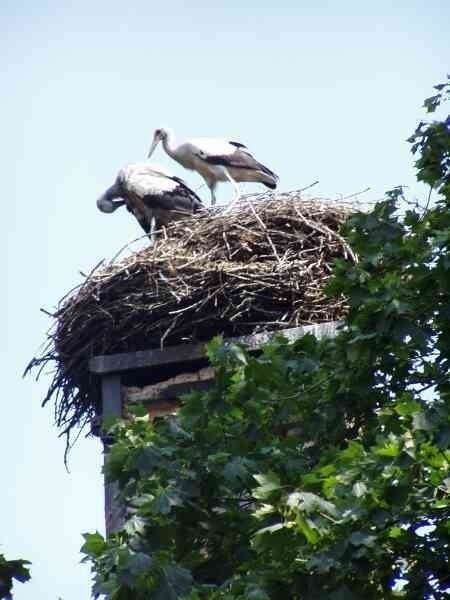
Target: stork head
106	202
160	135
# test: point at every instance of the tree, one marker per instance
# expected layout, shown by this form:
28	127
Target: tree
10	570
318	469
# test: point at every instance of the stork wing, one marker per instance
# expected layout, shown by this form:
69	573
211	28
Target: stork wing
185	189
141	219
181	200
230	154
144	178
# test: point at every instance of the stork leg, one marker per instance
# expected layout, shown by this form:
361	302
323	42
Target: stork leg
152	233
212	189
236	190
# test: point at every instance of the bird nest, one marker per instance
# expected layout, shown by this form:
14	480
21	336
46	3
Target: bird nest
262	266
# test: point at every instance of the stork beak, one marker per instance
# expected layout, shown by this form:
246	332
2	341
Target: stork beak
106	205
155	142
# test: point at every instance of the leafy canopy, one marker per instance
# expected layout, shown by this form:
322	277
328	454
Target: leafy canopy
10	570
318	469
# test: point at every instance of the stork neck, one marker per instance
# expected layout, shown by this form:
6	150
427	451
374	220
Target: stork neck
114	191
169	144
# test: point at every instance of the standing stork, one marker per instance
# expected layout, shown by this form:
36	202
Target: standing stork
151	194
216	160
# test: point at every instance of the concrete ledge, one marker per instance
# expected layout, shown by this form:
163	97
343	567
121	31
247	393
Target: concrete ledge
114	363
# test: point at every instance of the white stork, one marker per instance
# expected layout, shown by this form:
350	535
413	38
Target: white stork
151	194
216	160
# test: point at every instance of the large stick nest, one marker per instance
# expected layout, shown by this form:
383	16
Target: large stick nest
263	266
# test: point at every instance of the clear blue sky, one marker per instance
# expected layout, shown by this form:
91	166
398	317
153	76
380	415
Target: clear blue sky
318	90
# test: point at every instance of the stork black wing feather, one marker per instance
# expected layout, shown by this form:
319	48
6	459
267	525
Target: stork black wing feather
186	188
180	200
140	219
237	144
239	160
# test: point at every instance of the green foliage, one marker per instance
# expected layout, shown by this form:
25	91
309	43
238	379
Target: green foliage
431	141
10	570
313	470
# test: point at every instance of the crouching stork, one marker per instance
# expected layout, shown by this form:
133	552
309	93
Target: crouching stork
216	160
151	194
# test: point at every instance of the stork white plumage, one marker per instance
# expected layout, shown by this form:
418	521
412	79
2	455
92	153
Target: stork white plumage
151	194
216	160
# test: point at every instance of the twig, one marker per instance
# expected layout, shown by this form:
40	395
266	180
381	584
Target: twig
344	198
308	186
